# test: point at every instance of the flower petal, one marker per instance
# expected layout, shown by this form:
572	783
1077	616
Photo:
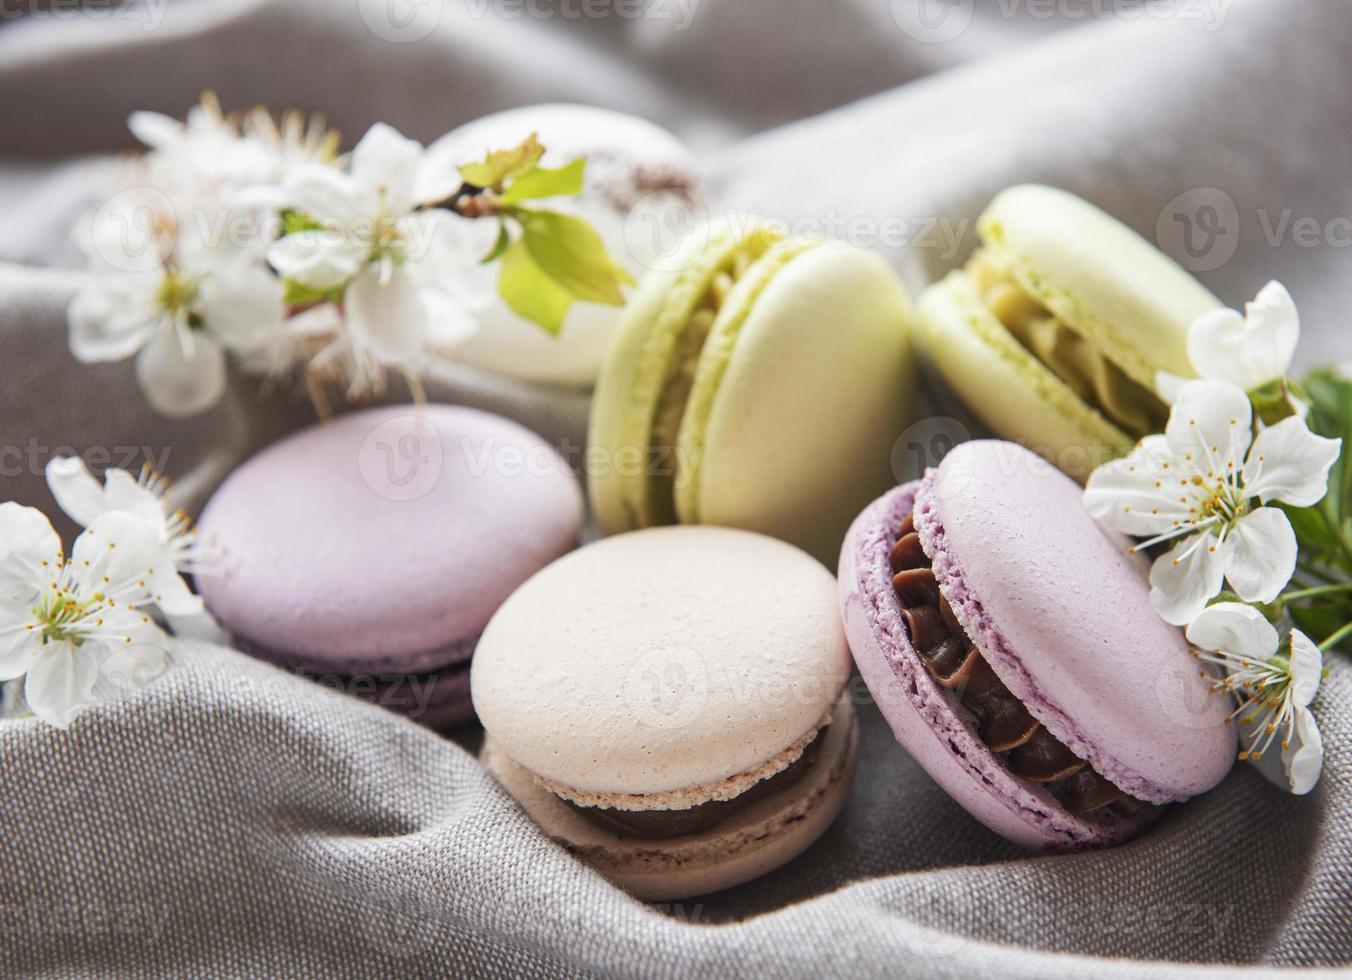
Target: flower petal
318	259
1216	347
18	644
1260	555
123	492
1307	668
1236	629
170	591
1210	427
390	319
1247	350
1304	758
328	194
1273	330
116	555
29	551
77	492
1169	386
242	307
1291	464
108	323
1185	579
178	383
388	161
155	129
1134	494
61	682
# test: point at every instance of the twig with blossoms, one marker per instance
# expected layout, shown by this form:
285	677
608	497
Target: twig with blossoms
256	242
1252	488
90	629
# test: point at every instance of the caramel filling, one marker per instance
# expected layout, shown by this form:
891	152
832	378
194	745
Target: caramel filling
1096	380
1021	743
665	824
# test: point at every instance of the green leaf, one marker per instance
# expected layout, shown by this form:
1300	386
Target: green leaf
1272	401
502	165
295	294
1311	529
571	253
1331	417
1321	620
294	222
539	182
500	246
530	291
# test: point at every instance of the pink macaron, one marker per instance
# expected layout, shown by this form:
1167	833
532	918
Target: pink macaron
1011	645
371	551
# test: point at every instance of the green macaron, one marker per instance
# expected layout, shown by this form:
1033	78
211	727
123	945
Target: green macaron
1055	331
756	381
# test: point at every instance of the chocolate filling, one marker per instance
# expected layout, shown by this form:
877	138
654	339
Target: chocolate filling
664	824
1022	744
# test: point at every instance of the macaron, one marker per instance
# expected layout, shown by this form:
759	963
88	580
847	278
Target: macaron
668	705
1055	331
640	181
370	552
757	381
1011	645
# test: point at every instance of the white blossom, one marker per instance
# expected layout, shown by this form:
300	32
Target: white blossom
1272	686
75	629
1207	483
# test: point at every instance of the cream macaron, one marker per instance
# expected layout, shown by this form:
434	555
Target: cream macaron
1056	330
668	705
757	381
640	180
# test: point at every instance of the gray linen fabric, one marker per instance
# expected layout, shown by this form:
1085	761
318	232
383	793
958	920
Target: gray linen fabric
238	820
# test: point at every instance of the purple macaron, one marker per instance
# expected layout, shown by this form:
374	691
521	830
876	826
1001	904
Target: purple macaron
371	551
1011	645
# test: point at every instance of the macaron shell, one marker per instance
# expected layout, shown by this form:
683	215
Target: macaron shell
385	539
1014	393
924	718
663	660
765	836
640	361
1063	615
1099	277
716	357
817	389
